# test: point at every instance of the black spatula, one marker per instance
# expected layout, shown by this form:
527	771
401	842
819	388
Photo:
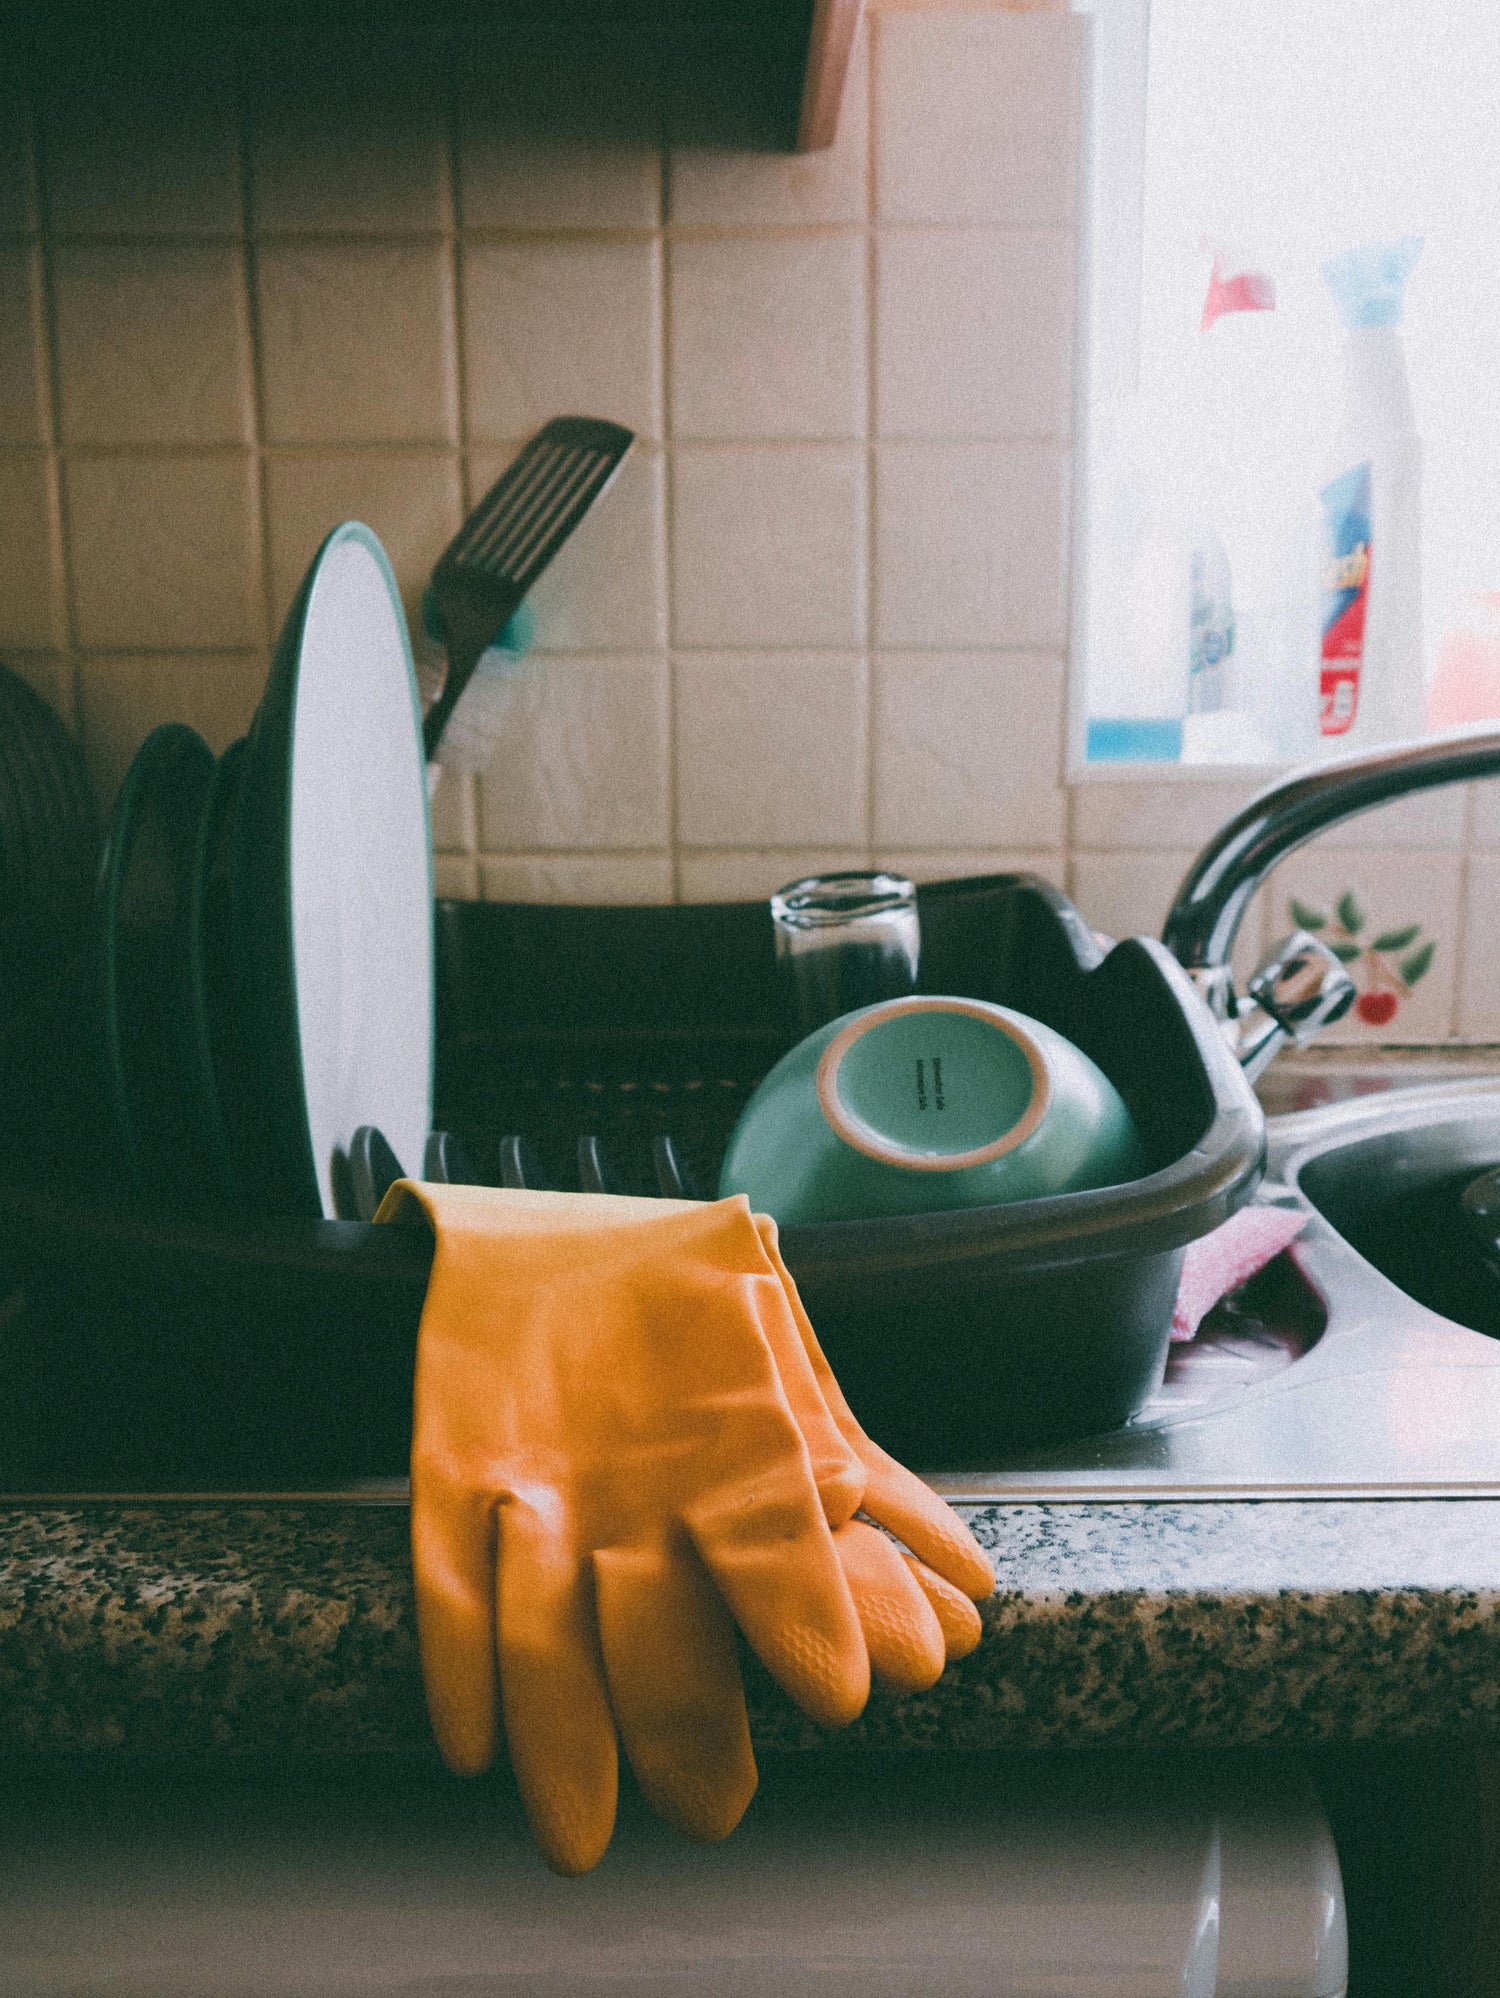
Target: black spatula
510	537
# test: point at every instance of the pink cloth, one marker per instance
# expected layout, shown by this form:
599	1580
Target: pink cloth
1215	1263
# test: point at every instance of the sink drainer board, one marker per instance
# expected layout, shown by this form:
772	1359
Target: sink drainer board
1388	1323
146	1351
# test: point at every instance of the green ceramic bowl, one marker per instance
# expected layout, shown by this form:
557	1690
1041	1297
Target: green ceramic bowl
922	1103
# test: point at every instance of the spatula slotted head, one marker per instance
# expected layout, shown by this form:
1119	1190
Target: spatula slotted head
511	536
536	502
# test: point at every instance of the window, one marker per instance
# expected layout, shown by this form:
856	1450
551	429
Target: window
1240	147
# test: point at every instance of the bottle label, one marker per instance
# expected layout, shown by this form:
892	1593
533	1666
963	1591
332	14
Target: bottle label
1210	629
1346	594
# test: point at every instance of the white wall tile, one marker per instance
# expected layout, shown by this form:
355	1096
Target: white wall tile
561	327
968	750
713	183
153	343
1485	822
356	343
411	499
768	546
771	749
580	756
974	333
1119	815
971	545
49	674
30	575
768	337
613	879
164	552
23	400
1126	894
977	117
455	876
455	811
959	863
1432	820
606	588
1394	889
755	875
1129	894
1478	1008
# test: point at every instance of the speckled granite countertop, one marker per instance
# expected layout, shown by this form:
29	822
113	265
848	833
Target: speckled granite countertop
290	1628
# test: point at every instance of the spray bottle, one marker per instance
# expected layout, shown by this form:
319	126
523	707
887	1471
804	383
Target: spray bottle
1370	664
1238	533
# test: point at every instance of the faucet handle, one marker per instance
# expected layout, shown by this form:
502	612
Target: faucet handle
1303	986
1297	991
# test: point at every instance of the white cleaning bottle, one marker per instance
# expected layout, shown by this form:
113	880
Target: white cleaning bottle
1231	500
1370	677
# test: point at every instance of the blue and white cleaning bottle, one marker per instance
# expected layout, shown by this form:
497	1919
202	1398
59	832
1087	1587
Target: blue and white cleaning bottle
1370	674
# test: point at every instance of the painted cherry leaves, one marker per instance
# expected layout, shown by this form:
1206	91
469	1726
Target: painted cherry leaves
1386	966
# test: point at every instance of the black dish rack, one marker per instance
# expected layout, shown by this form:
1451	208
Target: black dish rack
144	1352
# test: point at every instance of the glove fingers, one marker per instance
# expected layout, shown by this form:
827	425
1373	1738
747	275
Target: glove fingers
557	1719
901	1627
839	1475
674	1684
892	1495
960	1621
453	1563
924	1523
773	1558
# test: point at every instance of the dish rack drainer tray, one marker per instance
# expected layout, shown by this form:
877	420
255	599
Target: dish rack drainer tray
261	1350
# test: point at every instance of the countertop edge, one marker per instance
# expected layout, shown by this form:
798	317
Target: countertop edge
290	1628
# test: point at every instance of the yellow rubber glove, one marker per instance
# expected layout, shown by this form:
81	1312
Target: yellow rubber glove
603	1458
950	1566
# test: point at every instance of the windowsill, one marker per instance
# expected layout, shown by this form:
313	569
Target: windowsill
1176	773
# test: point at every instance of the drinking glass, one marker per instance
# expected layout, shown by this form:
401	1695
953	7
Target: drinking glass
843	941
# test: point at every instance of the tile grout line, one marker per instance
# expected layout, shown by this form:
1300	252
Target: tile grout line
601	651
873	674
538	232
250	279
664	523
469	780
432	445
1461	934
62	572
1081	69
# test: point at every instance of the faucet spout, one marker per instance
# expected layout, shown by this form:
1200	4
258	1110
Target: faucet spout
1205	916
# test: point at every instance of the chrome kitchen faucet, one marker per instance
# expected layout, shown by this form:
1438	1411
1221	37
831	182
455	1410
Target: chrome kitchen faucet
1301	987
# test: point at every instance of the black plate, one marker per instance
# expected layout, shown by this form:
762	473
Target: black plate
49	844
145	904
223	1093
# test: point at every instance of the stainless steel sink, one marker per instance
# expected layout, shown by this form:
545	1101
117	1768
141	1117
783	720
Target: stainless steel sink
1367	1364
1364	1363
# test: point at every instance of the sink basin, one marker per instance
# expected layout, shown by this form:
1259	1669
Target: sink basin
1392	1188
1366	1362
1363	1363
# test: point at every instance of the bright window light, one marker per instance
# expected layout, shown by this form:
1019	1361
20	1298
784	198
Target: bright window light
1241	147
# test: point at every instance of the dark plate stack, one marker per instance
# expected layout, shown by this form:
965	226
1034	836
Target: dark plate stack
49	863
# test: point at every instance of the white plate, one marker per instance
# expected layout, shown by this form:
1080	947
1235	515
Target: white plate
334	882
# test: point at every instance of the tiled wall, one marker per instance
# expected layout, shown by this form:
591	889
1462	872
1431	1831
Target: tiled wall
823	617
